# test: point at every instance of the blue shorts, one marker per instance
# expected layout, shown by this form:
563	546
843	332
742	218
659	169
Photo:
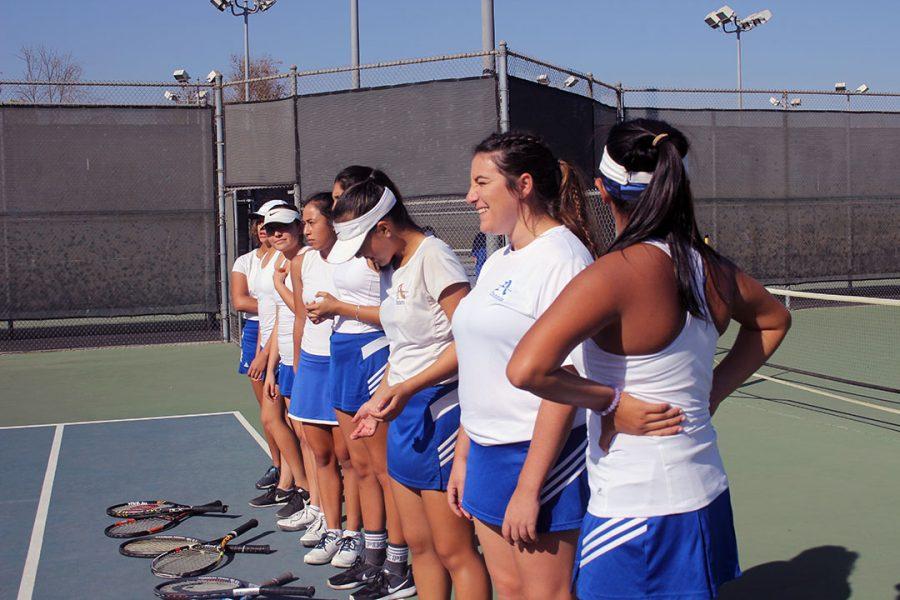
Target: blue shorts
421	441
309	398
687	556
492	473
249	345
357	365
285	379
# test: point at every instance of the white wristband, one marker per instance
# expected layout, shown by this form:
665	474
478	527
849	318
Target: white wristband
617	395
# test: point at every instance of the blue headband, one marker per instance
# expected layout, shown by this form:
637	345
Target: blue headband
625	193
621	183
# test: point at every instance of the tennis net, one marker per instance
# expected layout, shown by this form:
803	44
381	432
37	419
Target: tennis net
852	340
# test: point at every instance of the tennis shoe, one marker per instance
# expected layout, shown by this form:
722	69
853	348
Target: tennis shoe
387	586
325	550
296	503
348	550
269	480
272	497
355	576
314	531
297	521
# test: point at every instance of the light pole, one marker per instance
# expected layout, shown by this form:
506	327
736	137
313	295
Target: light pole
244	8
725	16
842	87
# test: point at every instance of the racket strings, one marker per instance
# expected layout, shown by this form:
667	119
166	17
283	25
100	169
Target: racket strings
206	584
156	546
139	525
188	561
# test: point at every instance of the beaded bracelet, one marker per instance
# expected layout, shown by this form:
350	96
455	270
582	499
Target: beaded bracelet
617	395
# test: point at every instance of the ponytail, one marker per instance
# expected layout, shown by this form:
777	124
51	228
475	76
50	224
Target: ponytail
571	208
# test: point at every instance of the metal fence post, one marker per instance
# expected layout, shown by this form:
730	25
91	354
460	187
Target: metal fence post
590	84
620	102
494	242
220	190
294	90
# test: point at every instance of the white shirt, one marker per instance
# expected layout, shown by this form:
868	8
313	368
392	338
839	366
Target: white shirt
415	324
285	319
358	284
514	288
247	265
264	287
646	476
317	275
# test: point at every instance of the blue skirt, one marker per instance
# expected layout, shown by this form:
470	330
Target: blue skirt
285	379
492	473
421	441
249	345
687	556
309	398
357	365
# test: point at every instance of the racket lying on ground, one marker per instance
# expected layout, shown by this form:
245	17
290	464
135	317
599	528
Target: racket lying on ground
129	528
197	559
209	587
153	546
146	508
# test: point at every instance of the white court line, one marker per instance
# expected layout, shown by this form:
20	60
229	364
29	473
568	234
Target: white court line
253	432
212	414
886	409
26	586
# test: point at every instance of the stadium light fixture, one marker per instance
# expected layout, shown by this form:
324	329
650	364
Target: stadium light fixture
784	103
543	79
245	8
211	76
862	89
840	86
773	101
570	81
181	76
726	16
171	96
796	102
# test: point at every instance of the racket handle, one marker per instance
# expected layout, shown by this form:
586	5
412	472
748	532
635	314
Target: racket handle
254	549
287	591
285	577
244	528
212	507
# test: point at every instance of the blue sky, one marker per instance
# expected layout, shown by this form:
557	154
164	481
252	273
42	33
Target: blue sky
808	44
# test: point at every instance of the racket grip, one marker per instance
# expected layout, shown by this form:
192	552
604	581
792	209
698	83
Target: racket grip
267	590
255	549
212	507
285	577
244	528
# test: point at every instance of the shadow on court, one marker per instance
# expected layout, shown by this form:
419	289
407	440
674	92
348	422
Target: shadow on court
820	573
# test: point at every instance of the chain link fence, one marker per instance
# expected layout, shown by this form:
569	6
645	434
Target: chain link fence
122	178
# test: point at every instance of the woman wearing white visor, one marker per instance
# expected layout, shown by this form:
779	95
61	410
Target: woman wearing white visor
244	299
423	282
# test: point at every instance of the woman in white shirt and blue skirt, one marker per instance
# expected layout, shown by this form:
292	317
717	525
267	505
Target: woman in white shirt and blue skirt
648	315
423	282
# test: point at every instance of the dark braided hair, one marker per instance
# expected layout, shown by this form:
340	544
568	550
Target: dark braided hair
363	187
559	189
323	202
665	210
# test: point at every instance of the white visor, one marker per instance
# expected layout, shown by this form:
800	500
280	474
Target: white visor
352	234
267	206
613	170
281	215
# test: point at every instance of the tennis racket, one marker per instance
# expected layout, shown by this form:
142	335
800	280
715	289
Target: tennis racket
146	508
197	558
153	546
199	588
129	528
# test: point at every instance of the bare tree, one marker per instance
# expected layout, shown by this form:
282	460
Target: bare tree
46	64
262	66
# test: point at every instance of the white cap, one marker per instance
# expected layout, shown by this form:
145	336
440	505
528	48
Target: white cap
267	206
352	234
281	215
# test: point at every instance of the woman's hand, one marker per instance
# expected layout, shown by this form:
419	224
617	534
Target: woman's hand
325	307
391	401
270	388
366	425
257	369
520	520
282	272
456	484
636	417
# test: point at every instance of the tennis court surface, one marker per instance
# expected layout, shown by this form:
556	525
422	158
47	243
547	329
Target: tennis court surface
813	475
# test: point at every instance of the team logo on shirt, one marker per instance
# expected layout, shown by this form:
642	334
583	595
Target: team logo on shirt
501	290
401	295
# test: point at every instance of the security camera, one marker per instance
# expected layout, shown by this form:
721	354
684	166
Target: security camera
862	89
171	96
543	79
570	81
773	101
796	102
211	77
840	86
220	4
181	76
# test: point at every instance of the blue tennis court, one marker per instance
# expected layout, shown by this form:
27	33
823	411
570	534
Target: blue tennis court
68	474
